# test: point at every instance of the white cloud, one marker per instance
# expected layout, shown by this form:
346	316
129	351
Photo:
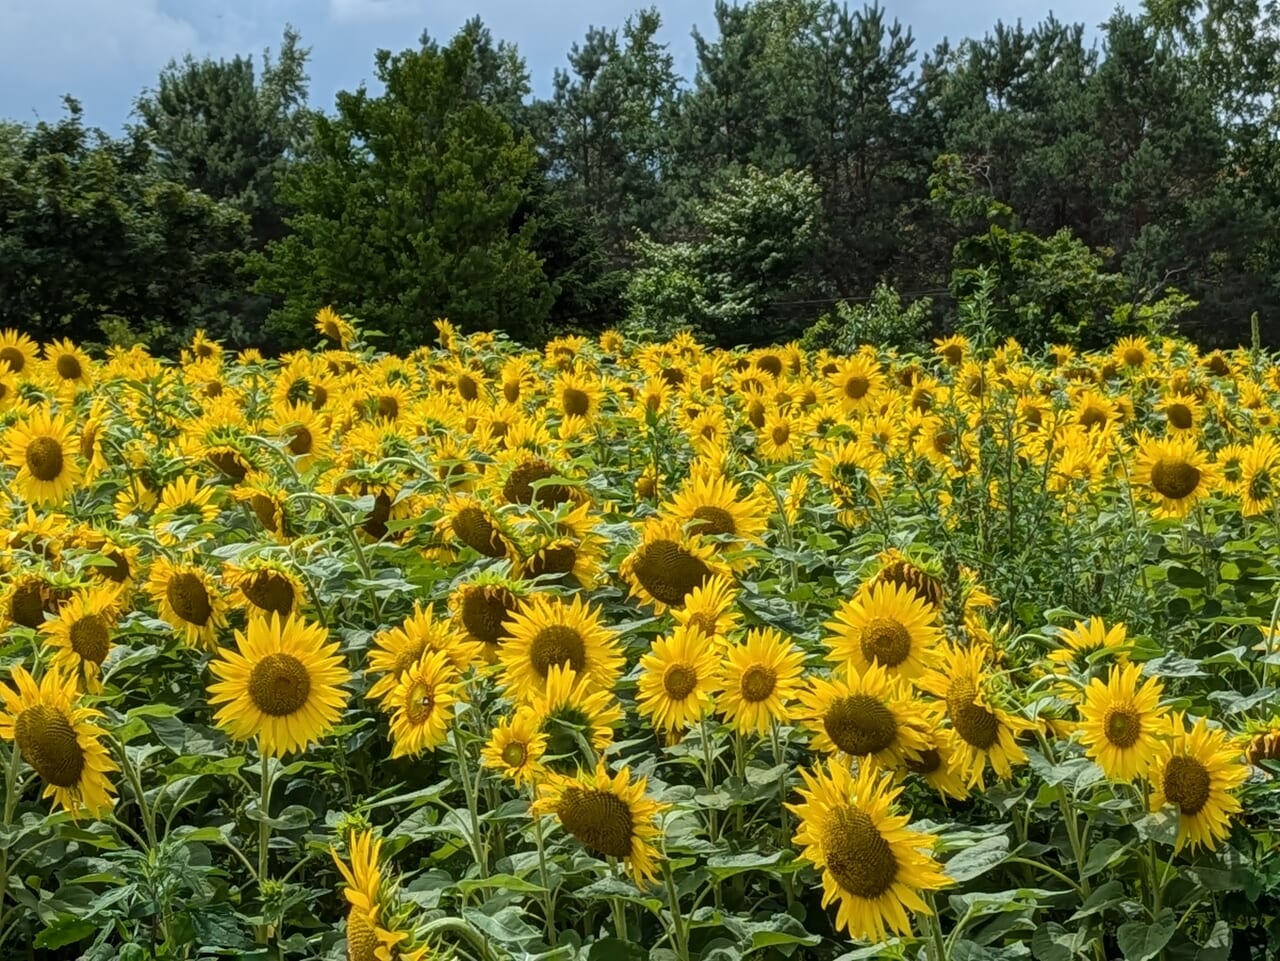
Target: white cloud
84	35
364	11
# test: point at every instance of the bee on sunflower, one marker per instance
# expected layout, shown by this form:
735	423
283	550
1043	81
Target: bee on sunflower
515	748
421	704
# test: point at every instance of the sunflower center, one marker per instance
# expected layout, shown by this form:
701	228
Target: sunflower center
978	726
473	527
514	754
15	358
679	681
860	724
905	574
26	606
519	486
90	638
1186	784
599	819
781	434
68	367
468	389
279	684
388	407
1260	486
928	762
557	644
270	591
1092	417
857	855
483	611
885	641
420	703
118	570
559	559
757	684
265	510
1174	479
300	440
362	938
1180	416
770	364
1134	357
1123	725
576	402
669	572
44	458
714	520
856	387
47	742
189	599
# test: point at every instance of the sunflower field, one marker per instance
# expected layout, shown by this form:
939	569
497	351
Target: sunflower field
620	650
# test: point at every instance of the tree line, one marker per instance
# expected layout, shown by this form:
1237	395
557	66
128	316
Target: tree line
819	172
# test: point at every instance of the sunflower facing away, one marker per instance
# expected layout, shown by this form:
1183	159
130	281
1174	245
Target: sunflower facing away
609	815
761	678
282	684
61	740
515	748
887	624
679	680
481	608
871	863
376	929
938	764
871	716
668	564
1196	771
1120	722
985	734
81	635
334	327
547	631
43	448
422	704
189	601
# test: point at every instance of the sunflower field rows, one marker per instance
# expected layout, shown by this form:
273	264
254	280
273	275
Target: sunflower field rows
620	650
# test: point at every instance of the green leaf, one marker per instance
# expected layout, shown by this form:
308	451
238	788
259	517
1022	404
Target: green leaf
723	866
66	930
615	949
972	862
1140	941
1160	826
1102	855
507	882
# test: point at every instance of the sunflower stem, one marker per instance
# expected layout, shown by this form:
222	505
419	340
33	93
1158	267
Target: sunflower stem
679	935
139	796
548	894
1073	836
264	839
938	945
10	804
709	777
462	751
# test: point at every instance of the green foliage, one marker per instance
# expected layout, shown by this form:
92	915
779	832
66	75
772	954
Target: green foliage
405	210
882	321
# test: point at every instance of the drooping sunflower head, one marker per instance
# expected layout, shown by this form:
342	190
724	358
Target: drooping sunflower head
1084	645
897	568
379	926
188	598
60	738
470	521
669	564
482	607
871	863
886	624
264	585
282	684
761	679
334	327
545	632
611	816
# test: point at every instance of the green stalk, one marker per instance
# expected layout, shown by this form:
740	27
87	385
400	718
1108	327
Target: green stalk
679	935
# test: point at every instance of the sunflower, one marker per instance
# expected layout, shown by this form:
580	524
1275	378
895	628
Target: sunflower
871	863
17	350
939	765
282	684
953	349
679	680
1174	473
334	327
1259	475
611	816
520	470
303	432
268	501
886	624
711	607
43	448
183	504
81	634
377	930
67	368
1196	771
515	748
713	506
396	650
1182	412
668	564
471	522
985	734
576	561
853	473
869	716
782	437
546	631
60	738
858	382
263	586
577	395
760	679
1095	411
422	704
482	607
8	387
1081	646
188	599
1120	722
573	714
1133	353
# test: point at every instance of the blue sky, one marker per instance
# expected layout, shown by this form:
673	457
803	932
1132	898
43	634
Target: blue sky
105	52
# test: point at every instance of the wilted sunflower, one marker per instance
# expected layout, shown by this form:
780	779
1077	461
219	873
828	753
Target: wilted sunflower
984	733
668	564
422	704
871	863
574	715
263	586
334	327
282	684
872	716
1120	722
888	625
376	930
610	816
679	680
515	748
1196	771
189	600
81	634
547	631
761	678
396	650
1173	472
43	448
60	738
